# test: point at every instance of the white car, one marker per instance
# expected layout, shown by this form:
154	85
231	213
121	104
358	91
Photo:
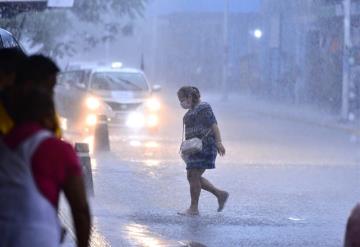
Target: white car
123	95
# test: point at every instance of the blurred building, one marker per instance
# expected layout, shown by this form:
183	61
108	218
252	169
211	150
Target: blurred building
188	41
9	8
191	47
305	50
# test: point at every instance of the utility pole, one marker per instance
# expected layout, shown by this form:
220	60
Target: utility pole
226	51
346	62
154	43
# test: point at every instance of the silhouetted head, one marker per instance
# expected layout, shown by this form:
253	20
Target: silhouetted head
10	59
32	105
37	71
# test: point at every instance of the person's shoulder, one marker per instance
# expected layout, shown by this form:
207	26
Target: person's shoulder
58	144
57	150
204	106
60	154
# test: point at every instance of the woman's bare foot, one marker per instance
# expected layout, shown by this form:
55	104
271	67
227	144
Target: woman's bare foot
189	212
222	200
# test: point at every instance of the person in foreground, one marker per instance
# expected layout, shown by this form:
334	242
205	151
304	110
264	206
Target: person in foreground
54	168
352	234
199	121
10	59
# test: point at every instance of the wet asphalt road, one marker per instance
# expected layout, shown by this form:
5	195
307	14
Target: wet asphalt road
290	184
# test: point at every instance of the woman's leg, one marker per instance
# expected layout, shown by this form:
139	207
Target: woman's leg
197	182
221	195
208	186
193	176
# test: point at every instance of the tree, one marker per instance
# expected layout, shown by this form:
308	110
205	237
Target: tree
57	32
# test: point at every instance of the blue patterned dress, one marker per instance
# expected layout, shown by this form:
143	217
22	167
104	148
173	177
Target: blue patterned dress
198	122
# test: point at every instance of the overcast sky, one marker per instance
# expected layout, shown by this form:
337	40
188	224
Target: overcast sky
171	6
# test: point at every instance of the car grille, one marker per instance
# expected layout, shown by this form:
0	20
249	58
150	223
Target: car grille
123	107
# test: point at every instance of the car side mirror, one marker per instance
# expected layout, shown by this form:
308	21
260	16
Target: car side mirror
156	88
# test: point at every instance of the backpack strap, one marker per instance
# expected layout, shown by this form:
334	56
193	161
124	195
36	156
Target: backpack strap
28	147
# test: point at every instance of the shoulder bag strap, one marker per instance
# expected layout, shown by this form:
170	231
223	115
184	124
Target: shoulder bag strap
183	132
207	133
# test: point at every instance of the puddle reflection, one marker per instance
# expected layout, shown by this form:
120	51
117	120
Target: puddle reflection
151	144
98	240
135	143
152	163
141	236
147	144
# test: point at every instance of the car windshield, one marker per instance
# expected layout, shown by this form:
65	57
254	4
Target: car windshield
118	81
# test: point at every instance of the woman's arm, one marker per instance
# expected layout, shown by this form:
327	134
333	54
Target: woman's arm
75	194
219	146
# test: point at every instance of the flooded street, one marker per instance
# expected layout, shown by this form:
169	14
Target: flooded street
288	189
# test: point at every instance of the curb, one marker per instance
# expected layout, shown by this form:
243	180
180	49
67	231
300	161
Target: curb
353	129
350	129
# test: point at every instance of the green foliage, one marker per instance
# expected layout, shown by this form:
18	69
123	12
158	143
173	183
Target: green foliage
88	22
90	10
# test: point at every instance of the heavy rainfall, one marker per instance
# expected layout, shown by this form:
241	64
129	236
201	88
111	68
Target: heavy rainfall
282	79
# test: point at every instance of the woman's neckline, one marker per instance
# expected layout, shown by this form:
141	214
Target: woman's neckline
197	104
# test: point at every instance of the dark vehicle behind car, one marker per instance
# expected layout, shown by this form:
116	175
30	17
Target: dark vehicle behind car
7	40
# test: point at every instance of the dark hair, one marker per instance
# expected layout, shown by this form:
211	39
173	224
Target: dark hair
187	91
33	104
36	70
10	59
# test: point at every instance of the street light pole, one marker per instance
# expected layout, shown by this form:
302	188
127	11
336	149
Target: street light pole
226	51
346	57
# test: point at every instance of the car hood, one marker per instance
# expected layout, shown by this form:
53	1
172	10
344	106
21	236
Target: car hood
125	97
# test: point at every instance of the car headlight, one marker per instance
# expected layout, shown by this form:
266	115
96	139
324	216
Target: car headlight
135	120
152	121
91	120
92	103
153	104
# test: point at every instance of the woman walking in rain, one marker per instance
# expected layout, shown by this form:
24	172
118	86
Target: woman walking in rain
199	121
